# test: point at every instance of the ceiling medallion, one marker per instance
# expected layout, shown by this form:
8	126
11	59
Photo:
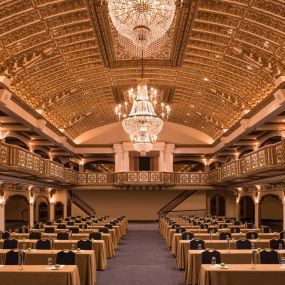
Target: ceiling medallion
142	21
141	123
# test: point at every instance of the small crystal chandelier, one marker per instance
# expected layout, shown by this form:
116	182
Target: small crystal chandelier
142	21
141	122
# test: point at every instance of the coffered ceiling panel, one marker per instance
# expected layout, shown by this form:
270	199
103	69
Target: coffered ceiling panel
65	59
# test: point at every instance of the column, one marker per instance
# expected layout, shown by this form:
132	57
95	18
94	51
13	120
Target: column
283	215
126	161
168	157
65	204
51	211
256	214
2	216
237	211
161	161
119	157
31	215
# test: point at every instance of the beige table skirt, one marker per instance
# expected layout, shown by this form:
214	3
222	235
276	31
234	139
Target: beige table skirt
237	274
35	275
85	262
184	246
99	249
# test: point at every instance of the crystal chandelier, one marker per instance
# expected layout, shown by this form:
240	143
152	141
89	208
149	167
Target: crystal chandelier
142	21
141	123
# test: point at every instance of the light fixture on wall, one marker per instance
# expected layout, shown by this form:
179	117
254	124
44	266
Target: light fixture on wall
141	122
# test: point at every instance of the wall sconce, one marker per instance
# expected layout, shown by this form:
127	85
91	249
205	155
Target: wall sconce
3	133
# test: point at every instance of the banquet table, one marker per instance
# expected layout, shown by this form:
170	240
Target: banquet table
99	249
85	261
236	274
39	274
194	261
110	251
184	246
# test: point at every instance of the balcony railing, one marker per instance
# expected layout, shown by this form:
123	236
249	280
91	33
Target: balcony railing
17	159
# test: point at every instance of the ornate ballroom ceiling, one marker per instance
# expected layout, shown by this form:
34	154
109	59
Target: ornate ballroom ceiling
66	61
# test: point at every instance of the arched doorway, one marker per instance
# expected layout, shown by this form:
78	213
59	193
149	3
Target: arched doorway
271	212
246	209
218	205
16	212
69	206
41	210
58	210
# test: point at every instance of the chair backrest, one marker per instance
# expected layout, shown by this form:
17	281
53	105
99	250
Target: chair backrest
203	226
5	235
282	235
208	255
103	230
187	236
58	221
83	226
235	230
109	226
249	225
194	244
75	230
49	230
65	258
277	244
23	230
225	235
70	223
251	235
43	244
212	230
48	223
12	257
269	257
95	235
223	226
77	221
62	236
84	244
10	244
35	235
243	244
237	223
266	229
84	219
38	226
62	226
180	230
228	221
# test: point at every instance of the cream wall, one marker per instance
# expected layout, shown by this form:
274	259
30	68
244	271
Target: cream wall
271	209
195	202
135	205
14	207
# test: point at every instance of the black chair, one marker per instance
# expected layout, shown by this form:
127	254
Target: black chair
103	230
62	236
61	226
49	230
83	219
180	230
223	226
212	230
237	223
109	226
5	235
70	223
187	236
77	221
277	244
74	230
43	244
10	244
251	235
174	226
23	230
208	255
243	244
83	226
95	236
38	226
249	225
84	244
203	226
194	244
269	257
35	235
266	229
225	235
66	219
49	223
65	258
59	221
113	223
228	221
235	230
12	257
282	235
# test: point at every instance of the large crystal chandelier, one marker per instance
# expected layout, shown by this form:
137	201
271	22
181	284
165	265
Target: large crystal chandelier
141	122
142	21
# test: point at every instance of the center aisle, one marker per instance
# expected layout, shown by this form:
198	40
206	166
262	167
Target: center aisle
142	258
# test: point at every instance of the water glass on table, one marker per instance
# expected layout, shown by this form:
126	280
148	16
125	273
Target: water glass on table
213	261
49	262
282	261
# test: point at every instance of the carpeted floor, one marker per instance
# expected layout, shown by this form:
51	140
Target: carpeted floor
142	259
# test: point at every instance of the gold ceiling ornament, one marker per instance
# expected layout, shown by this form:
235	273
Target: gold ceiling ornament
142	21
142	123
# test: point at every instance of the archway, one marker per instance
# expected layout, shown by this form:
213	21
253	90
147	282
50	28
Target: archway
271	140
246	209
271	212
58	210
188	166
217	205
16	212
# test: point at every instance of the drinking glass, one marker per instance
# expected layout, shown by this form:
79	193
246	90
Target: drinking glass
73	247
49	262
253	259
213	261
252	245
199	246
280	246
282	261
20	260
24	246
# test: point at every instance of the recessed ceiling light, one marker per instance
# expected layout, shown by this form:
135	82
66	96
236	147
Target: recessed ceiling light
202	127
206	79
192	106
249	67
185	121
230	31
266	44
218	56
188	114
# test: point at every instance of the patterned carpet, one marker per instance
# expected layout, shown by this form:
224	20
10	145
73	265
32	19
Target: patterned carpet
142	259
